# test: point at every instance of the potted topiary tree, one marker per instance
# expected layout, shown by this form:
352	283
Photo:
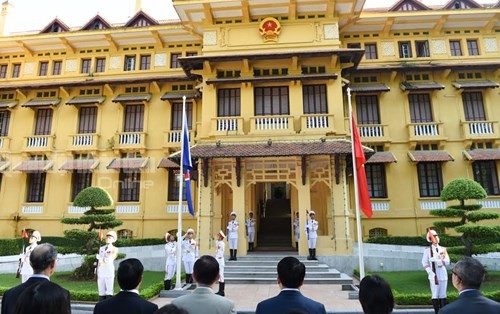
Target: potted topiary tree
462	190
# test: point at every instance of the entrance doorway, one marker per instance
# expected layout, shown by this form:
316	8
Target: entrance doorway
274	232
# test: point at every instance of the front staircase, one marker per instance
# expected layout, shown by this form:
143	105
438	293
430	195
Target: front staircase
261	268
275	228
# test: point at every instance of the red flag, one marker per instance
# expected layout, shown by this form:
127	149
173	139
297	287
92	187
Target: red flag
25	235
363	194
100	234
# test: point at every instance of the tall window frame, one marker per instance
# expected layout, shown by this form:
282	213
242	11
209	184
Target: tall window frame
405	49
271	101
129	185
16	70
145	62
371	51
176	115
100	65
228	102
3	70
80	180
473	106
367	109
43	124
86	65
129	64
422	49
43	68
4	122
36	187
87	120
420	108
174	181
134	118
456	48
314	99
472	47
56	67
430	179
174	60
485	173
375	176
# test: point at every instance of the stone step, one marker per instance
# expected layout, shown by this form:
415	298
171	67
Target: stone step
343	279
264	256
264	263
274	274
310	269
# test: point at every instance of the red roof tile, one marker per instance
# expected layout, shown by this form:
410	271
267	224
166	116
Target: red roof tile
34	166
430	156
80	164
167	163
128	163
381	157
482	154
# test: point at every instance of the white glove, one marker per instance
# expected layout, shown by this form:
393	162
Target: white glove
431	276
430	273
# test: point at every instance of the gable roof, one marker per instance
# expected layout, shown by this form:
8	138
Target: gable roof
141	15
464	4
96	21
55	26
415	5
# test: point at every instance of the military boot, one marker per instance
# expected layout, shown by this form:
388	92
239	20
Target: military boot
221	289
310	255
167	284
234	258
314	255
435	305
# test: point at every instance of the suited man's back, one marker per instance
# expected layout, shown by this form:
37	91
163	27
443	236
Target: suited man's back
288	301
10	296
204	300
125	302
472	302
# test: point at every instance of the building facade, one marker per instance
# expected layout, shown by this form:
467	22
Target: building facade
268	86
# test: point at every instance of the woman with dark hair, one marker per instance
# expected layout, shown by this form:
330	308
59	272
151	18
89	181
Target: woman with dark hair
375	295
43	298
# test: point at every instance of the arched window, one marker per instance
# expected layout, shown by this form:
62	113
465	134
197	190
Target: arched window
377	232
125	234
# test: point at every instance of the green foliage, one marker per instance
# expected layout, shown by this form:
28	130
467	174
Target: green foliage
86	270
448	212
139	242
447	224
478	216
11	246
93	197
477	231
445	240
462	189
468	207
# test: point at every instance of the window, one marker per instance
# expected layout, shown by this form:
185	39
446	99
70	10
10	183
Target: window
367	111
129	63
473	106
3	71
430	181
36	187
420	108
375	175
42	71
271	101
377	232
134	118
87	120
100	65
4	122
422	47
56	67
173	185
174	60
455	48
145	62
228	102
129	185
16	69
314	99
191	54
80	180
43	124
86	65
125	234
404	49
177	115
472	47
371	51
485	173
354	45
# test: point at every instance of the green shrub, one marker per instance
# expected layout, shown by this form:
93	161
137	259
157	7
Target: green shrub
445	240
152	290
139	242
418	298
11	246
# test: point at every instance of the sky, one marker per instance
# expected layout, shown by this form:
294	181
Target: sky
33	15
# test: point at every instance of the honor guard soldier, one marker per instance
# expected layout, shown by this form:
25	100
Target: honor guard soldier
171	262
219	256
312	235
296	230
434	261
190	254
106	267
26	270
250	227
232	235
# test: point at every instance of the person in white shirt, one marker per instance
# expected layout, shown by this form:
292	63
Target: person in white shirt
190	253
26	270
106	266
312	235
232	235
171	262
250	228
296	230
434	261
219	256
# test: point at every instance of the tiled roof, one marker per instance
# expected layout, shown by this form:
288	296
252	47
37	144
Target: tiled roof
8	104
178	95
274	78
42	102
429	155
34	166
80	164
132	97
275	149
482	154
128	163
422	86
85	100
4	165
369	88
475	84
167	163
382	157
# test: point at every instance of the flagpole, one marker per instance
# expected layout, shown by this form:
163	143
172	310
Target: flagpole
356	198
178	280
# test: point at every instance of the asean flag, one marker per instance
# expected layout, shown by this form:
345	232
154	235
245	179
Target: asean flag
187	164
363	194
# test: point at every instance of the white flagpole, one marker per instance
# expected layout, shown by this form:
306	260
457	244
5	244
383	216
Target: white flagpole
356	198
178	280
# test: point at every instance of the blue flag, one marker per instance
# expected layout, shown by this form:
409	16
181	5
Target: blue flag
186	163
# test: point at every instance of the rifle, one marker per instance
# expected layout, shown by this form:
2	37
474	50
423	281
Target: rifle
433	264
20	266
96	264
307	224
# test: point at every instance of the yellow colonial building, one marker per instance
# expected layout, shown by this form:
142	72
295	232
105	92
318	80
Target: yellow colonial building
268	85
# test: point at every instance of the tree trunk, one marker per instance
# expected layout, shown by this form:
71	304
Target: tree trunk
467	244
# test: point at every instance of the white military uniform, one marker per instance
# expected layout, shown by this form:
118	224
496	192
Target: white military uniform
312	232
189	255
26	270
441	259
296	229
250	225
171	262
232	234
219	256
106	269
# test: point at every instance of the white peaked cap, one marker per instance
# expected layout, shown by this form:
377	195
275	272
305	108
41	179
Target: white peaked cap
311	212
233	213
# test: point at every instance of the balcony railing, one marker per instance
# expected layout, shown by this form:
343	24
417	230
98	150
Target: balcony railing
127	209
227	125
316	122
173	138
271	124
480	129
4	143
32	209
425	131
130	140
83	141
39	142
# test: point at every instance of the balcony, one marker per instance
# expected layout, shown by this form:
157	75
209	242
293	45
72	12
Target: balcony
4	143
426	131
373	132
173	138
39	143
270	125
480	129
133	140
83	141
316	123
227	126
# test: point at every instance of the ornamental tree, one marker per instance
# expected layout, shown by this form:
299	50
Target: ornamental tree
462	190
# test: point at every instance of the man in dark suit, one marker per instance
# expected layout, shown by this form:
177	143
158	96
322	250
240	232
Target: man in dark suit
467	277
43	260
128	301
291	273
